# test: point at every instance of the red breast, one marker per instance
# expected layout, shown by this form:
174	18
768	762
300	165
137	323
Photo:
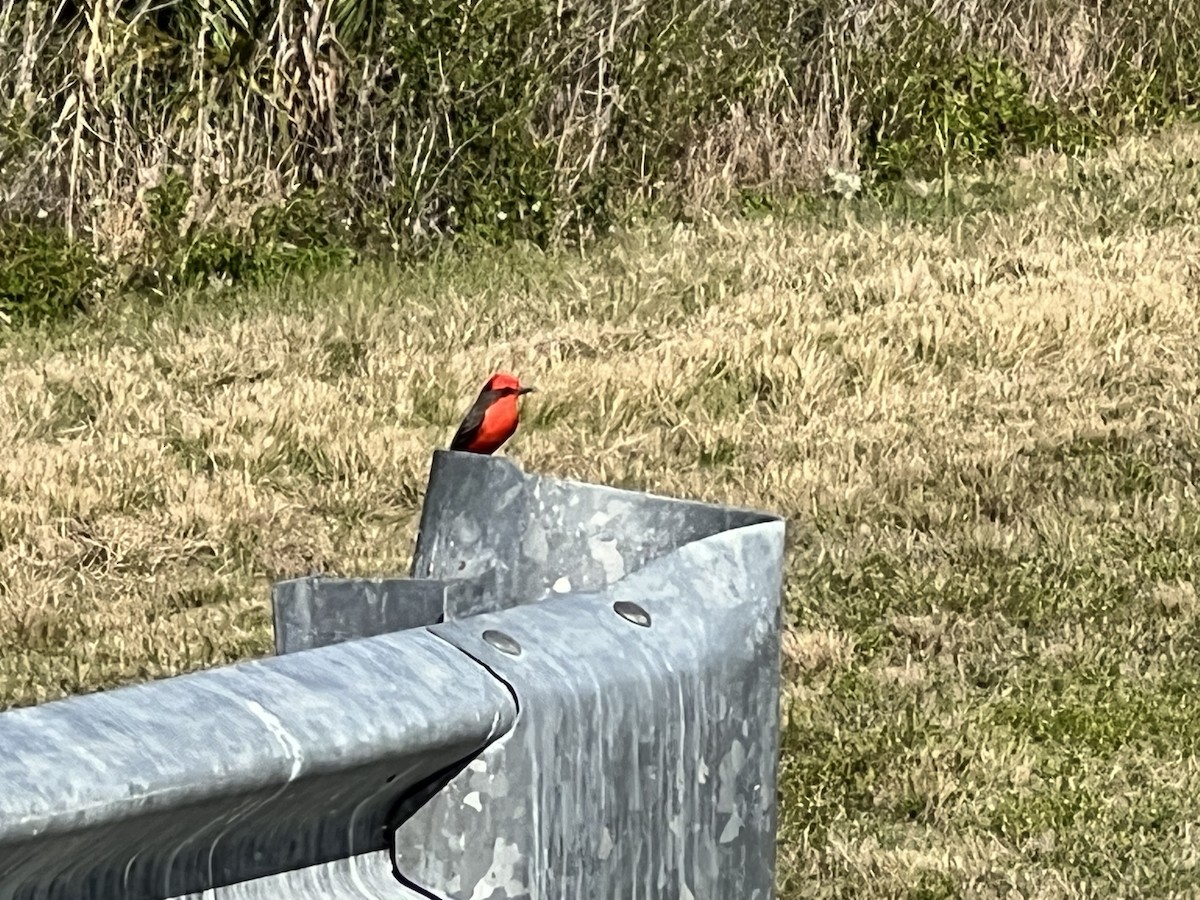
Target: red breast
499	422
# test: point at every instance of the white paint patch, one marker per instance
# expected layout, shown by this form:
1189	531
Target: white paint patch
675	826
281	734
606	845
289	743
731	830
496	722
502	875
536	544
702	773
606	553
599	519
472	800
465	531
685	893
727	772
562	586
477	765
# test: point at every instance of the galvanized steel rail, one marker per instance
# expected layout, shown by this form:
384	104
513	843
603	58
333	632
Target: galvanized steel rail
575	696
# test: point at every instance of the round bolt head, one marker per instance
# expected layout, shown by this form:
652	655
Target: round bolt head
632	612
502	642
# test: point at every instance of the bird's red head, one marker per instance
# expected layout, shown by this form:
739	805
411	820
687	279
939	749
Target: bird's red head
504	383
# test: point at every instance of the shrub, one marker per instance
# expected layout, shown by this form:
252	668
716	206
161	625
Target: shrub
300	235
936	107
405	122
44	274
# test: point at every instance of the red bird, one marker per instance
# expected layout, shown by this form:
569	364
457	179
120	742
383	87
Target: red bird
493	418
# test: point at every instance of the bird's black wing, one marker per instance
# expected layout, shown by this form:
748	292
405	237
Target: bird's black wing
473	420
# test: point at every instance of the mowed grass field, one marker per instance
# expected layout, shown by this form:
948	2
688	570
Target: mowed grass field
979	408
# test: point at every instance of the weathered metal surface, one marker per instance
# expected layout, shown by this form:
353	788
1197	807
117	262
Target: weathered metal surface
538	536
581	701
492	537
644	758
216	778
319	611
366	877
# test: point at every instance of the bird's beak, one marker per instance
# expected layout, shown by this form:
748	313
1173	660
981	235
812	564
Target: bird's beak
526	390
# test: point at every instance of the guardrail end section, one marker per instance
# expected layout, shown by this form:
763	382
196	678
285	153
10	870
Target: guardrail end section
644	758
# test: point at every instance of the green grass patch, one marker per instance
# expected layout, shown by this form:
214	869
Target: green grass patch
44	273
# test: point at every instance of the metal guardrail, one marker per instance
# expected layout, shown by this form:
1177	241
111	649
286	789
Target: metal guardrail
575	697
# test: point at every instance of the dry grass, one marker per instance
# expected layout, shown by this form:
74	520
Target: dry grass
980	415
538	111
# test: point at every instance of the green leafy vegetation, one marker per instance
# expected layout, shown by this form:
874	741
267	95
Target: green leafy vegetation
299	236
190	145
43	273
969	109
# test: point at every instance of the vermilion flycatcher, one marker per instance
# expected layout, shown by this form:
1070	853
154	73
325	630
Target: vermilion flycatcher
493	418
